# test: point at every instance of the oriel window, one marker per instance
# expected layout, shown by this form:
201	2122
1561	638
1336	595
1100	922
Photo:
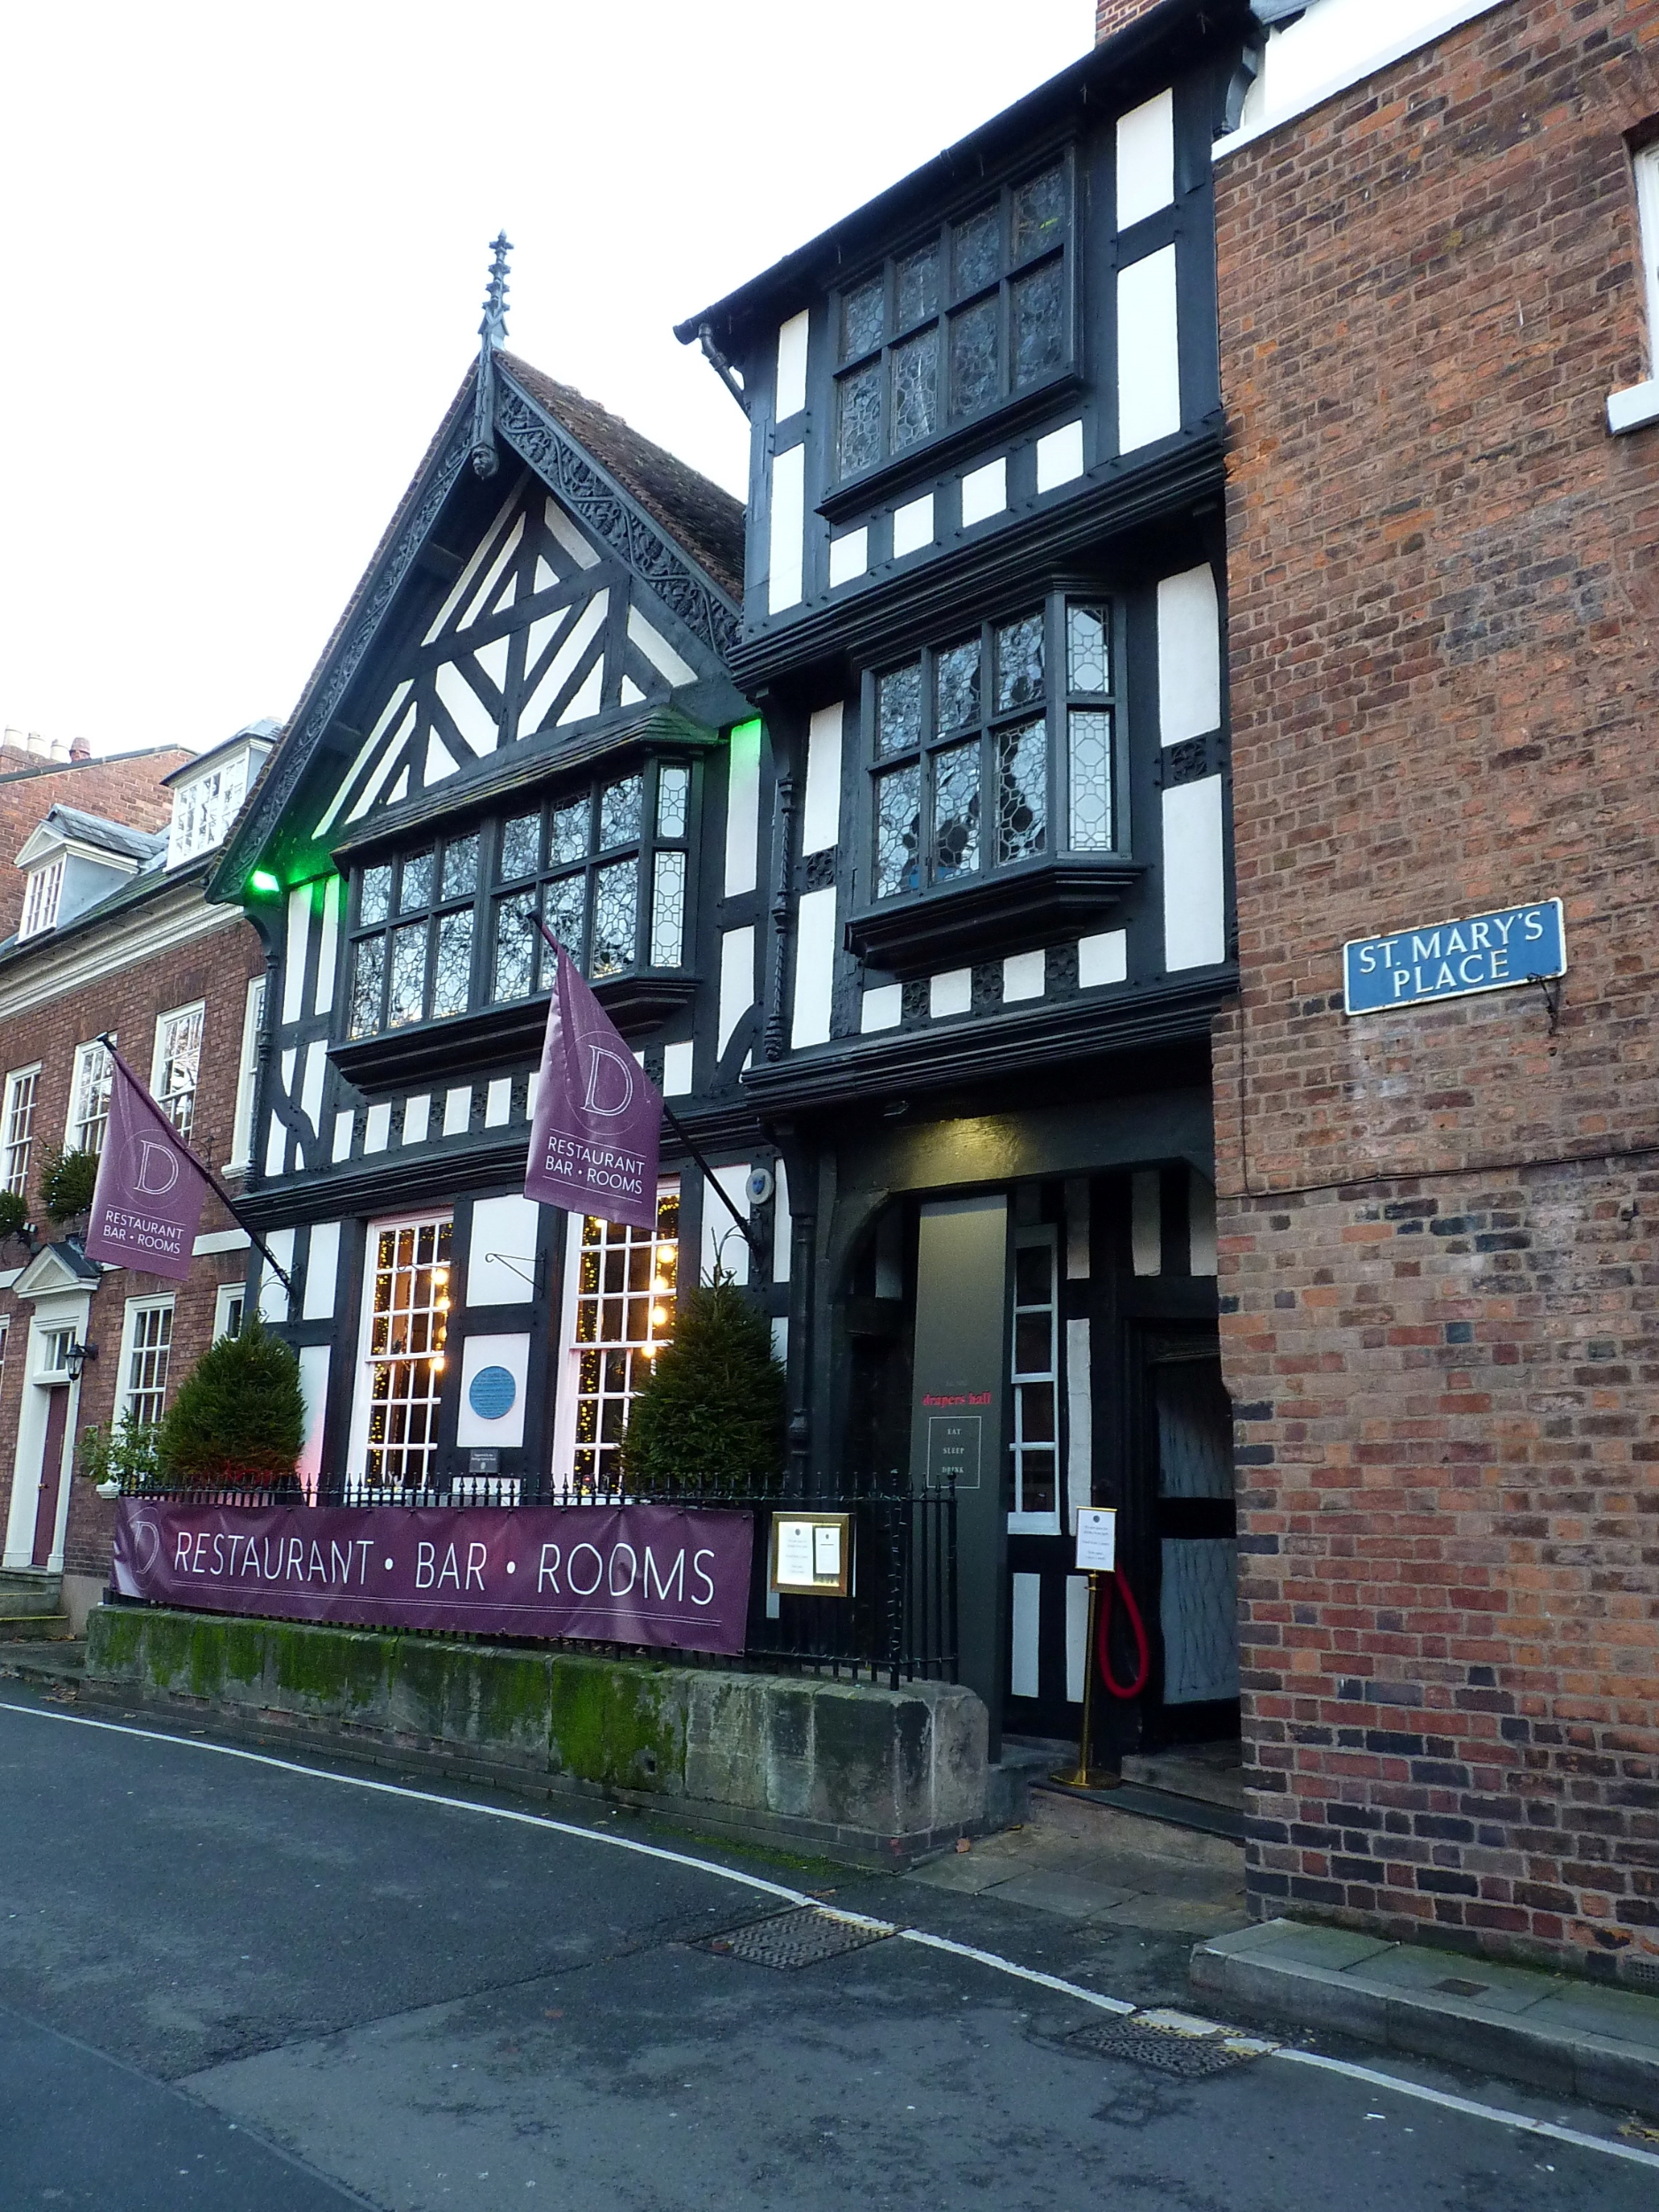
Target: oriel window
975	313
994	748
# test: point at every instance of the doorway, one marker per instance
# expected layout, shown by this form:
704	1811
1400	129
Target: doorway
1187	1549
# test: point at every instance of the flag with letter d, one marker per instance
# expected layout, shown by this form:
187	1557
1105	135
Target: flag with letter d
598	1123
148	1198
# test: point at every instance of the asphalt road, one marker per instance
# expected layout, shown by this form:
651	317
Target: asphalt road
227	1984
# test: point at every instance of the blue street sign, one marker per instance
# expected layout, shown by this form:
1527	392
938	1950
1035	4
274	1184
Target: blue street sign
1488	952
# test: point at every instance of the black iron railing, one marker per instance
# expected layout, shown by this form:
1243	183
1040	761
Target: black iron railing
897	1624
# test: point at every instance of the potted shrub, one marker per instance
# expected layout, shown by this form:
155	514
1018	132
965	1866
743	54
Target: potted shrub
110	1458
714	1401
239	1417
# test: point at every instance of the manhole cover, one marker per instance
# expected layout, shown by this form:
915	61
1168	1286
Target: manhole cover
801	1937
1189	2057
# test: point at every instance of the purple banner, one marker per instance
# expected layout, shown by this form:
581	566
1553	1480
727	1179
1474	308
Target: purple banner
670	1576
598	1120
148	1198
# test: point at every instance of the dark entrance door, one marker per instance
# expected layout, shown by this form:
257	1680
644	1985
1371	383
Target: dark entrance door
1192	1603
52	1476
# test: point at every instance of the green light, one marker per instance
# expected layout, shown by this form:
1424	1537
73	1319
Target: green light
262	881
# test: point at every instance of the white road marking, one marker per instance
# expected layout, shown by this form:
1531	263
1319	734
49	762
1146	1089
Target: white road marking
1371	2075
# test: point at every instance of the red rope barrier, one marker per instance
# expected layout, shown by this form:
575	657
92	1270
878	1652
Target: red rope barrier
1143	1656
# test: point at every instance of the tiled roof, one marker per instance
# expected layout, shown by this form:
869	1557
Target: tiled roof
705	521
112	837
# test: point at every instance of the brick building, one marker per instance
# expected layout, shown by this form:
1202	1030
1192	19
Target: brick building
115	936
1437	1225
36	775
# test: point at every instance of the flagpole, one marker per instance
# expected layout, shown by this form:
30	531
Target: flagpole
201	1167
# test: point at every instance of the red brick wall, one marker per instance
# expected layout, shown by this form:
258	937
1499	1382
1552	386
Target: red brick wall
216	968
125	789
1441	1229
1112	15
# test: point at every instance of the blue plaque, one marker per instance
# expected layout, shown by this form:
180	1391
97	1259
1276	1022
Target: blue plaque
491	1393
1436	960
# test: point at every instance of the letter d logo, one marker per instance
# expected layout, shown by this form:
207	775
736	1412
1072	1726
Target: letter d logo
157	1168
604	1068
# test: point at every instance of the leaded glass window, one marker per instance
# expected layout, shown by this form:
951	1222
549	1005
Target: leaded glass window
994	750
961	321
454	926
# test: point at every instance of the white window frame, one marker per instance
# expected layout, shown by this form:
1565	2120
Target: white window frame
568	1370
52	1341
358	1489
127	1391
203	809
1645	165
1041	1236
15	1153
247	1073
230	1302
88	1056
44	889
161	1057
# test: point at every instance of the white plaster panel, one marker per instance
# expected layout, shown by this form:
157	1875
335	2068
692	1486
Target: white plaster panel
564	663
344	1124
658	651
477	1353
883	1008
1079	1461
274	1300
417	1118
1194	895
1025	1617
314	1393
507	1228
721	1239
276	1146
498	1103
1145	159
1201	1219
950	992
849	556
1146	1221
299	926
737	982
789	523
1103	958
1060	457
789	393
781	1227
458	1109
213	1241
912	525
984	493
329	950
1023	975
472	717
1075	1636
1149	352
377	1127
677	1067
821	808
322	1269
311	1085
1189	655
742	808
814	968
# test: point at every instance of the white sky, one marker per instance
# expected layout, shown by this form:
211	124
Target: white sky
242	254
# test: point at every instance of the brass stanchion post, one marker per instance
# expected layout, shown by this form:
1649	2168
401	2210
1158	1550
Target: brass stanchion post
1086	1777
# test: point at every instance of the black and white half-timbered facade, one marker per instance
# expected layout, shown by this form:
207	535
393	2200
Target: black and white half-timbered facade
982	615
527	710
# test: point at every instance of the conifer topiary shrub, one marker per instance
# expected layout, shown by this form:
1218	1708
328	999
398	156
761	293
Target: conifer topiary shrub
713	1404
238	1417
67	1180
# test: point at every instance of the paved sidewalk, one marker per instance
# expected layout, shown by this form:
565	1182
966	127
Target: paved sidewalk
1091	1864
1570	2037
49	1662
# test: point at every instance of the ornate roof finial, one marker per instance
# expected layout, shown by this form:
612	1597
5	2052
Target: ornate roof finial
494	326
491	331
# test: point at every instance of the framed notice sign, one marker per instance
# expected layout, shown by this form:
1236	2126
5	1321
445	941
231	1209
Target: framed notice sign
811	1555
1097	1540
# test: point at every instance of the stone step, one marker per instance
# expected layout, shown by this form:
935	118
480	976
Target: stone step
37	1597
19	1628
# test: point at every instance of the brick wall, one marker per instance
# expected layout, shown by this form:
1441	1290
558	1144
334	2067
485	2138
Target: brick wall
216	968
1439	1229
126	788
1112	15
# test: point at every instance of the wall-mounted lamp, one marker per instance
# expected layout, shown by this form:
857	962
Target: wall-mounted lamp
76	1358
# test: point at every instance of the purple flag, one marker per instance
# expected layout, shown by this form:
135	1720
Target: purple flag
148	1198
598	1120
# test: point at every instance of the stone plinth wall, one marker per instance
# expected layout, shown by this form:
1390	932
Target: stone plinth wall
874	1773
